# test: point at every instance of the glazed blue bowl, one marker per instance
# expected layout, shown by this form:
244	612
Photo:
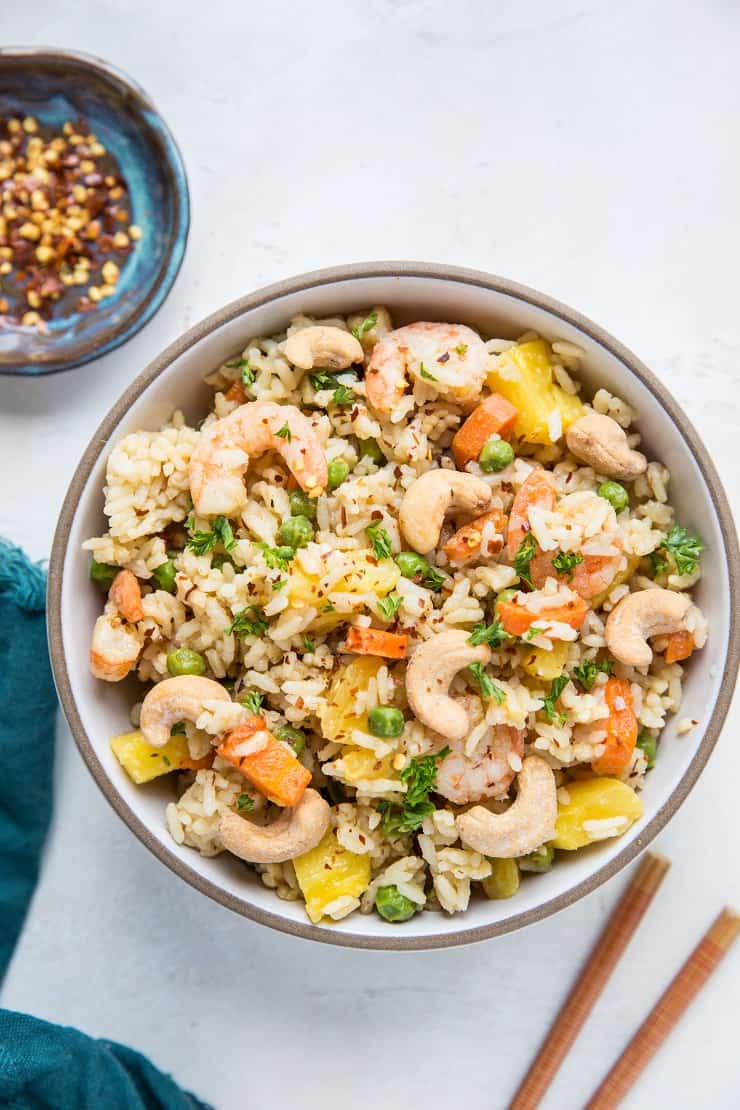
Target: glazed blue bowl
56	86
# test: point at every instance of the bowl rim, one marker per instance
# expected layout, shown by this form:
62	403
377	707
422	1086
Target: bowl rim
152	119
304	283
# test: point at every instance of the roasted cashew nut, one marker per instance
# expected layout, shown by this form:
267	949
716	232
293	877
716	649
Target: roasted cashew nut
431	669
176	699
640	615
114	648
431	497
528	823
321	345
296	831
602	444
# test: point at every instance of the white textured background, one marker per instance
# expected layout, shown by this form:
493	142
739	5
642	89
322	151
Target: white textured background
588	149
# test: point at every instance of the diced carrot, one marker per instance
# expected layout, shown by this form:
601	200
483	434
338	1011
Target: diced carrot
621	727
188	764
517	619
236	392
272	768
679	645
538	489
125	593
373	641
467	540
494	416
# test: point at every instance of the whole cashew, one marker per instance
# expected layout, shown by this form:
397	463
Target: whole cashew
176	699
114	648
602	444
528	822
640	615
323	346
431	669
431	497
296	831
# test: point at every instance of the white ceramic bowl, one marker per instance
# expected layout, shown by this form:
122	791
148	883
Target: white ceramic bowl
413	291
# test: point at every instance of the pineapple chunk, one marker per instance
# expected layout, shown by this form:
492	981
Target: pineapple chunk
546	664
338	716
524	377
329	872
361	764
142	762
592	807
366	575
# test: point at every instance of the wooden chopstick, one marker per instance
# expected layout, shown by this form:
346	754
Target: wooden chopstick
668	1010
591	981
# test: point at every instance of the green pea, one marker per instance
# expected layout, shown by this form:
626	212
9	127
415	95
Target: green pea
392	905
539	861
369	449
296	531
302	505
184	661
296	737
496	454
164	576
615	494
337	471
412	565
103	573
504	596
649	745
384	720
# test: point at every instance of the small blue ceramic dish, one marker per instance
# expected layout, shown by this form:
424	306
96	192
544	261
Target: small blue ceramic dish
55	86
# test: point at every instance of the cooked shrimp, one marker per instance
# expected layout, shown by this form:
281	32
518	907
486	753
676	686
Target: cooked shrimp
463	779
222	454
450	357
114	648
588	519
125	593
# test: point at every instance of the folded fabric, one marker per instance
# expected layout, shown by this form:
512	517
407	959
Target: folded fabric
46	1066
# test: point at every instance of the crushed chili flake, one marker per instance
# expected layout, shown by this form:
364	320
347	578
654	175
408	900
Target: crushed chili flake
63	202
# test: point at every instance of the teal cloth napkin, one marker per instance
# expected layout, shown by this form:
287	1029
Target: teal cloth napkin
45	1066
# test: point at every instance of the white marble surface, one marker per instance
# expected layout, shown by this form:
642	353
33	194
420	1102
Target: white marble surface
588	149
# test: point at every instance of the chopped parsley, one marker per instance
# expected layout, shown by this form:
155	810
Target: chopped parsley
532	631
488	688
281	582
683	551
424	373
277	558
248	375
390	605
380	540
327	607
556	688
245	803
587	672
433	580
166	760
343	395
493	634
308	644
200	543
252	701
285	432
178	729
358	330
565	563
420	777
461	348
524	556
248	622
321	380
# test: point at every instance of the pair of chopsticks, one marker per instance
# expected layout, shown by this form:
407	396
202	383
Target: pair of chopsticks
594	976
